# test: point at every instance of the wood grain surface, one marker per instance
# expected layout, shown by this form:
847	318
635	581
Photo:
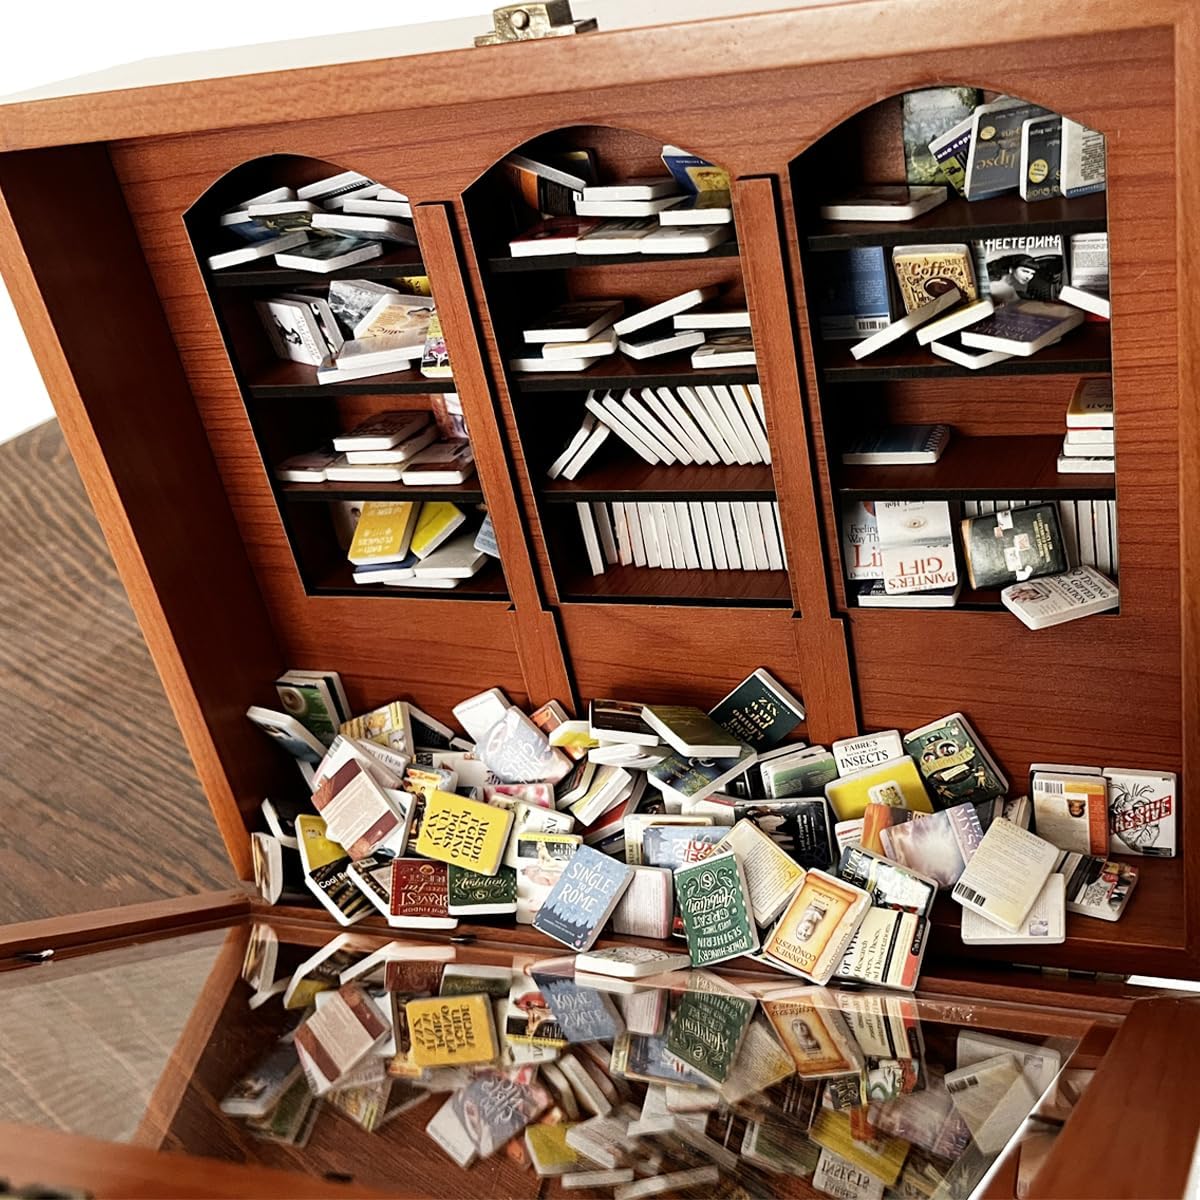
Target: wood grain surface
100	800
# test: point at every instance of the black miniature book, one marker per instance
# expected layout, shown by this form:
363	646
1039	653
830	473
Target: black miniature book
1011	546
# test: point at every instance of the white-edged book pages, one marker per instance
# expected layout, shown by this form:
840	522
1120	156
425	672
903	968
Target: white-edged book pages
595	439
956	319
653	426
591	541
700	414
906	324
665	309
700	533
1056	599
716	539
615	422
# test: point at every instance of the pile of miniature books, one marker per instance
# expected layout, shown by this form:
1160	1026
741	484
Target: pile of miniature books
708	829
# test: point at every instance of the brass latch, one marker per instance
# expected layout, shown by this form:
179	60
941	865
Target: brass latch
526	22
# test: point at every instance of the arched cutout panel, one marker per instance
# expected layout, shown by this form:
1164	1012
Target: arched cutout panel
321	346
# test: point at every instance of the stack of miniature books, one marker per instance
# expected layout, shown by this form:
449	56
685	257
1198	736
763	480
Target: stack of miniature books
711	827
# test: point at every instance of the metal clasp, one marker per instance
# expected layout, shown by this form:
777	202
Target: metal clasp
528	22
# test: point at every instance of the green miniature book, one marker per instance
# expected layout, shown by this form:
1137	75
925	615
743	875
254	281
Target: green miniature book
714	905
707	1030
470	893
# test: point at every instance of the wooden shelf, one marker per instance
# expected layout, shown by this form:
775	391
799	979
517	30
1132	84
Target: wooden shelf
487	585
1083	351
617	371
465	493
505	263
296	381
1017	468
652	585
959	220
632	479
403	261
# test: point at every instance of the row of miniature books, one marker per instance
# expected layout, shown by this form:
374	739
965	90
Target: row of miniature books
605	1067
860	296
908	548
687	535
981	151
706	425
418	449
1090	443
362	329
415	544
324	226
576	335
391	836
686	211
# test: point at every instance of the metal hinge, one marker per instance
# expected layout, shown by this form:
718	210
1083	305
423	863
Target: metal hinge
528	22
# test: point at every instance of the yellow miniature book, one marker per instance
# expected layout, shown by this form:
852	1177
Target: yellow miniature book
389	725
816	927
464	832
896	782
384	532
451	1031
881	1157
318	850
438	519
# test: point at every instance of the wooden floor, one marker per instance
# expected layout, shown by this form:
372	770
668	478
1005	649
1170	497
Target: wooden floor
99	803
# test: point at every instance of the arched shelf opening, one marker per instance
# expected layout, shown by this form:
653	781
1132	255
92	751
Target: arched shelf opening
321	294
611	268
954	253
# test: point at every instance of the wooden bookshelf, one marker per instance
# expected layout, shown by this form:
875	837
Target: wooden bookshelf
488	584
619	372
632	479
652	585
1021	467
404	260
460	493
280	380
503	263
960	220
1083	351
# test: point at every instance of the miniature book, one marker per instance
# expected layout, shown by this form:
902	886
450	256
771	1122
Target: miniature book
812	935
894	781
451	1031
464	832
939	846
771	876
760	711
714	904
954	763
338	1036
1141	809
1006	874
582	899
419	895
1070	811
1044	925
1097	886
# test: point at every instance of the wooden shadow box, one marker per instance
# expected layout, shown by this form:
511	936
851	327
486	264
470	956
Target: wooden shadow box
175	410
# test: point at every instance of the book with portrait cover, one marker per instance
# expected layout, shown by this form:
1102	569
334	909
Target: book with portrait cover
815	929
815	1034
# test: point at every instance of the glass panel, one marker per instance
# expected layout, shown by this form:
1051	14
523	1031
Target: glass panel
457	1070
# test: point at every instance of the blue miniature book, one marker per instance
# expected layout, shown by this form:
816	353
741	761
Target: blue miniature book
583	1014
583	898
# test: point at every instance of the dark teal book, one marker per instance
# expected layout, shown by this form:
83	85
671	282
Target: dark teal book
583	898
760	711
707	1030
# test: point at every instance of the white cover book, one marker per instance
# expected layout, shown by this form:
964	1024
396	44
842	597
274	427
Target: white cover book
666	549
341	470
1086	532
623	208
885	202
534	365
600	346
637	545
685	239
641	187
650	398
745	543
716	539
964	356
591	541
380	206
758	434
621	529
1052	320
700	414
766	513
700	446
955	320
587	451
667	308
649	531
700	533
717	415
691	555
374	228
758	535
1105	439
608	542
779	532
648	421
456	558
556	468
1070	532
595	406
1056	599
656	343
1083	165
1116	543
257	250
737	423
1006	874
617	237
1086	466
906	324
674	538
733	554
1103	536
574	321
1093	302
660	449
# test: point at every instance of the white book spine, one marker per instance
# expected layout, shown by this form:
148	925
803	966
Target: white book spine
758	539
666	549
633	519
587	526
741	526
608	543
716	539
557	467
725	518
779	530
635	427
703	418
702	448
674	537
1087	533
737	423
758	435
691	556
700	531
715	411
766	516
1103	537
649	535
621	528
1112	524
587	451
667	420
635	443
1066	518
756	398
654	426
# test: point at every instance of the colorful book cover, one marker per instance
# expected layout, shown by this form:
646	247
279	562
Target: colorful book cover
515	750
926	273
383	531
800	826
1071	811
469	892
435	358
928	113
1041	158
890	884
389	725
584	1014
954	763
529	1019
895	782
817	925
853	297
495	1106
715	908
449	1031
760	711
1097	886
1141	812
694	779
418	889
815	1034
463	832
707	1029
938	846
580	902
994	166
676	845
436	521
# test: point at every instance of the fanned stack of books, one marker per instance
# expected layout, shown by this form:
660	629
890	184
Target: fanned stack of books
320	227
1089	447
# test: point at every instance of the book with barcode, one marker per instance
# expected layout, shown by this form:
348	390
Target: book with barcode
897	445
1006	874
1070	810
